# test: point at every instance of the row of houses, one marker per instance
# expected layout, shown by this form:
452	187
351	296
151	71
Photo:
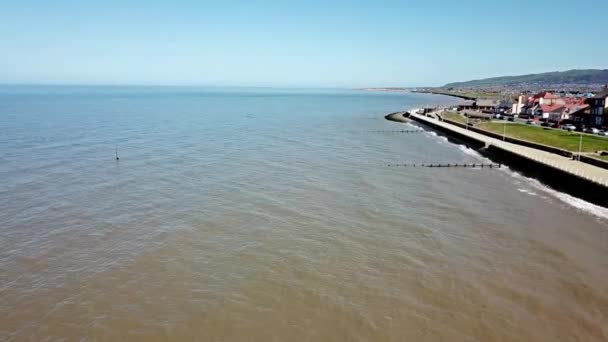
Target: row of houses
590	111
583	111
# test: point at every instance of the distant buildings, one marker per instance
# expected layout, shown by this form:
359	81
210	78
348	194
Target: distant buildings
547	106
586	109
486	106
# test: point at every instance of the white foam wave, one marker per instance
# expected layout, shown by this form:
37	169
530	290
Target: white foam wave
527	191
471	152
572	201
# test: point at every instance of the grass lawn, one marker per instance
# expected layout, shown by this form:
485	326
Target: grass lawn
454	117
552	137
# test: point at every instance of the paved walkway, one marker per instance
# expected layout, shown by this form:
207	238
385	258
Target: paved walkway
576	168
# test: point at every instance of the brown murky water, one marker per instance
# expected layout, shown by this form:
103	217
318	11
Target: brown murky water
279	224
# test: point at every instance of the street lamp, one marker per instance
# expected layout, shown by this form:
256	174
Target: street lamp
580	146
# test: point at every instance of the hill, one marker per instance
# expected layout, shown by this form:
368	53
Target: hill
589	76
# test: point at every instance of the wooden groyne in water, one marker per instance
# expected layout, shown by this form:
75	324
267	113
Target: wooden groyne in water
451	165
560	172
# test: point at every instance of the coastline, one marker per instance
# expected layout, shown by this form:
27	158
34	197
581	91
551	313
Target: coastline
417	91
464	97
584	181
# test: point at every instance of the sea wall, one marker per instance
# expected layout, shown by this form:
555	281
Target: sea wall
555	177
594	161
465	138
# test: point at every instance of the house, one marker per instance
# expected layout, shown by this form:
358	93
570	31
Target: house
549	99
547	106
575	112
531	107
519	107
560	109
554	112
490	106
598	108
533	111
467	105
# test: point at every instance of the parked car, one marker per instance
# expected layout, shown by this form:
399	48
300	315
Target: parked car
554	125
545	124
592	130
604	133
531	122
511	119
569	127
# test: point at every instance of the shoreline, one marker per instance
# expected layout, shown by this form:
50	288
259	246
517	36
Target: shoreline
397	117
464	97
584	181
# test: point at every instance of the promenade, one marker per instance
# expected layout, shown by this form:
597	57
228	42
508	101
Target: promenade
585	171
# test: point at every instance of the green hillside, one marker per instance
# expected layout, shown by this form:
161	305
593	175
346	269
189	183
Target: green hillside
557	77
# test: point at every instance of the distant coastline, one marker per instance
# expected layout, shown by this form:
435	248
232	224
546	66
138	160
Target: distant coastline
391	89
446	93
419	91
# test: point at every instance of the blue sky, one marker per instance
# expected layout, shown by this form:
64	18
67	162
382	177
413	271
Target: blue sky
295	43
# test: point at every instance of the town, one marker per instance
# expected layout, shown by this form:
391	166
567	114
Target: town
568	123
576	111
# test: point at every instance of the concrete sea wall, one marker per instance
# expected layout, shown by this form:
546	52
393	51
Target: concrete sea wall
562	177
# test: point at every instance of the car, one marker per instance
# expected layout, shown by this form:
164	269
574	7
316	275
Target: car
604	133
592	130
511	119
545	124
531	122
569	127
554	125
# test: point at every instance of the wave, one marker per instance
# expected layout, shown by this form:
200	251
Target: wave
572	201
472	152
527	191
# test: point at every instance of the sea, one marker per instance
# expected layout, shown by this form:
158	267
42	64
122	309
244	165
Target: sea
277	214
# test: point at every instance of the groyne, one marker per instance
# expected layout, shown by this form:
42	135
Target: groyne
397	116
560	172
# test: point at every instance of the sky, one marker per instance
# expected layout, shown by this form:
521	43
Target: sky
330	43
